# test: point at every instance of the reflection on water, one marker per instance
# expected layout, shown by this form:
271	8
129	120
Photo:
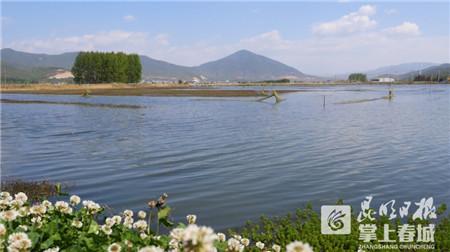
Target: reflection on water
229	160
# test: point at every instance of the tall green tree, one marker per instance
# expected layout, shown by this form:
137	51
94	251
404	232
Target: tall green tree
134	68
100	67
357	77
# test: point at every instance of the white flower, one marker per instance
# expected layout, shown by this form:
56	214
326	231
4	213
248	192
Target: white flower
174	244
63	207
91	206
115	247
2	230
117	219
77	223
143	235
298	246
19	241
37	220
47	203
128	213
9	215
23	227
22	197
16	204
110	221
234	245
260	245
140	225
75	200
221	237
23	211
142	214
5	195
128	243
38	209
191	218
128	222
177	234
245	242
4	204
106	229
55	249
276	248
151	249
198	239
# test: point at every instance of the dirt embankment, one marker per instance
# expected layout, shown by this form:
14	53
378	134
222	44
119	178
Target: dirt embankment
130	90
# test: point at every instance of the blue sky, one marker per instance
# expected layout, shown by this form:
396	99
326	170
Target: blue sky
316	38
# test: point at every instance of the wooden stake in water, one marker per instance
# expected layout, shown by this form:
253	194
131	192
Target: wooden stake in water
324	101
274	94
391	94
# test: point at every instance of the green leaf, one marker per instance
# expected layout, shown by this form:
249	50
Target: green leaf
34	237
93	228
166	222
164	213
181	225
50	241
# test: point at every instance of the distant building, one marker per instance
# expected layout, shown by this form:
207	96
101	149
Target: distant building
384	79
61	74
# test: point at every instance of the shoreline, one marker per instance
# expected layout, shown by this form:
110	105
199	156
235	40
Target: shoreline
132	90
186	90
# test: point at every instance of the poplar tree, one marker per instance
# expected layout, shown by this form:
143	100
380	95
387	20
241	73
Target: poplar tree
100	67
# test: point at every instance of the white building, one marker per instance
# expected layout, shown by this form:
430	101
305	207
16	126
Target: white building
386	79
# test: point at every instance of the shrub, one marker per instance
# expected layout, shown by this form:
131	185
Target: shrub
78	225
304	225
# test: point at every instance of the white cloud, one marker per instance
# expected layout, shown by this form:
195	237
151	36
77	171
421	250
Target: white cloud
318	55
115	40
351	23
367	10
162	39
129	18
404	29
314	55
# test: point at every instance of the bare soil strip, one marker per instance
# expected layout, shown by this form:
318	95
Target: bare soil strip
135	91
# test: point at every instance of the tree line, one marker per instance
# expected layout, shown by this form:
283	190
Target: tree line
107	67
357	77
423	77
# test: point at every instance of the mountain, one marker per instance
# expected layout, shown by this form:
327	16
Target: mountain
240	66
398	69
160	70
442	71
244	65
33	60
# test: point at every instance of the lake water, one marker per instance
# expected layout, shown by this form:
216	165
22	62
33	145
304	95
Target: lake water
234	159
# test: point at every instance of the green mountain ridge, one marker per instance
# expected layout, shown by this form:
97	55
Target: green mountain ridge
240	66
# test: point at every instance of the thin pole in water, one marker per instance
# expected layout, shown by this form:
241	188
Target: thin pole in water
324	101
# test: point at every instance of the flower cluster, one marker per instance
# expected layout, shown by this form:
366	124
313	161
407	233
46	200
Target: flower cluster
48	227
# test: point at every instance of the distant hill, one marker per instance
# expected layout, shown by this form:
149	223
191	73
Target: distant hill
442	70
244	65
240	66
160	70
32	60
398	69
